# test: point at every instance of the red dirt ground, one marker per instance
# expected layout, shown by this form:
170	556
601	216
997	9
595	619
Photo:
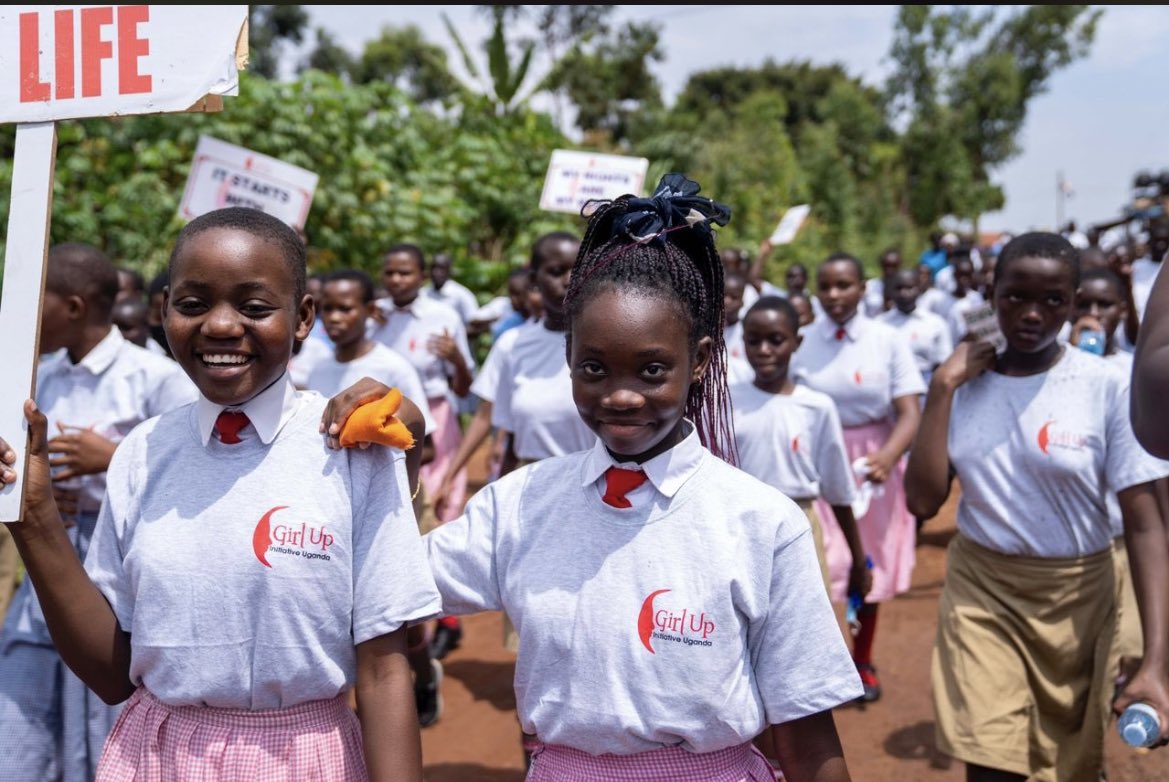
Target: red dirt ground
478	738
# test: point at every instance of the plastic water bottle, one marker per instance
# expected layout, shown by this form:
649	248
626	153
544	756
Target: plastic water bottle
1139	726
855	601
1092	341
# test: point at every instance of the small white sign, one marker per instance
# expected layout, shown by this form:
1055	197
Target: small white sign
223	174
983	324
64	62
575	178
790	224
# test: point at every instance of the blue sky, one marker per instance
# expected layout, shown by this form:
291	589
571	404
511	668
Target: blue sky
1101	121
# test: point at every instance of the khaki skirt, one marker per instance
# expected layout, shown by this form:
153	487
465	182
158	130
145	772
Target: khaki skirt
1020	668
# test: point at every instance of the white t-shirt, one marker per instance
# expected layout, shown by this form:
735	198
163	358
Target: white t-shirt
874	299
933	300
738	368
408	331
250	584
1123	360
330	377
486	382
1037	457
693	619
533	399
115	387
312	352
455	295
494	310
927	334
862	373
793	442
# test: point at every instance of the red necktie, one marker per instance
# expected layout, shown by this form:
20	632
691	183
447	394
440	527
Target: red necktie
228	425
841	333
618	483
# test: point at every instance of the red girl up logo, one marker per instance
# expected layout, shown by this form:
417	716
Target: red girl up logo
297	540
676	626
1049	437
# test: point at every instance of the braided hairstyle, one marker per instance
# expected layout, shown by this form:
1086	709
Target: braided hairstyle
663	247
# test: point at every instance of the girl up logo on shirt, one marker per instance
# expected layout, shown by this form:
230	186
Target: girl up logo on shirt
297	539
1049	437
677	626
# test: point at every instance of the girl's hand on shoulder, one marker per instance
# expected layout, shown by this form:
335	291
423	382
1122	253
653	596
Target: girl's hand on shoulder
341	406
1151	686
969	360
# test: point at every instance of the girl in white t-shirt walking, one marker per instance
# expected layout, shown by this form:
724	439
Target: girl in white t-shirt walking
647	556
1038	437
867	368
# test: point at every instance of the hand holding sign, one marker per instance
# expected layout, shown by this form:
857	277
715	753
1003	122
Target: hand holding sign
86	61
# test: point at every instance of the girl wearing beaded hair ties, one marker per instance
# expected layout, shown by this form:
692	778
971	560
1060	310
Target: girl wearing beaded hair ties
669	606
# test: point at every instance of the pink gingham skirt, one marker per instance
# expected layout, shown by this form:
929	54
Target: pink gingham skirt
887	531
153	742
558	763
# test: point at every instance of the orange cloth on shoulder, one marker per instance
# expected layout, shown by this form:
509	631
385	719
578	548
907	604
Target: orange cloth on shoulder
375	422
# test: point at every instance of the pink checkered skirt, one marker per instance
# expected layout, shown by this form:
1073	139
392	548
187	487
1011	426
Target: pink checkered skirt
558	763
153	742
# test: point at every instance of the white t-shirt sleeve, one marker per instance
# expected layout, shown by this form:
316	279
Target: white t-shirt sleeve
462	557
392	583
501	410
801	663
105	560
943	346
837	484
905	376
1126	463
486	382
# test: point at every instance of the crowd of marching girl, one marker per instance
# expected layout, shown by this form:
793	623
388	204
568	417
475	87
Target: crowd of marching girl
247	537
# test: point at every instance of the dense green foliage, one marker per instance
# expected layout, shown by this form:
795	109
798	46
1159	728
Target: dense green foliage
407	152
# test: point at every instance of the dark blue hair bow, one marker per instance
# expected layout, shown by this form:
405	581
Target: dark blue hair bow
674	204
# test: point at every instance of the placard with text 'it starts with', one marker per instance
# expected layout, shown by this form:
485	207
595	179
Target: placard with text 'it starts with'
225	175
575	178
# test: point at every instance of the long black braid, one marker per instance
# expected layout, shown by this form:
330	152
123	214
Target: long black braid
663	246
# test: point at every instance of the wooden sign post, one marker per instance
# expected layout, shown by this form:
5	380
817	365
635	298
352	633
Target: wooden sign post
68	62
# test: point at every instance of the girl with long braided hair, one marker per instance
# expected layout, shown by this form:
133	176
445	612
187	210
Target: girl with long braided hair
669	606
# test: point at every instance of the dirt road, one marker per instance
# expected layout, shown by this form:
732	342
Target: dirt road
478	738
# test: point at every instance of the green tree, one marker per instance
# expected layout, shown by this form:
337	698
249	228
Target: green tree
505	76
270	27
403	57
961	85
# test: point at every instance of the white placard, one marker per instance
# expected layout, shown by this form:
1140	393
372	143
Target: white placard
70	61
790	224
574	178
24	281
223	174
983	323
66	62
